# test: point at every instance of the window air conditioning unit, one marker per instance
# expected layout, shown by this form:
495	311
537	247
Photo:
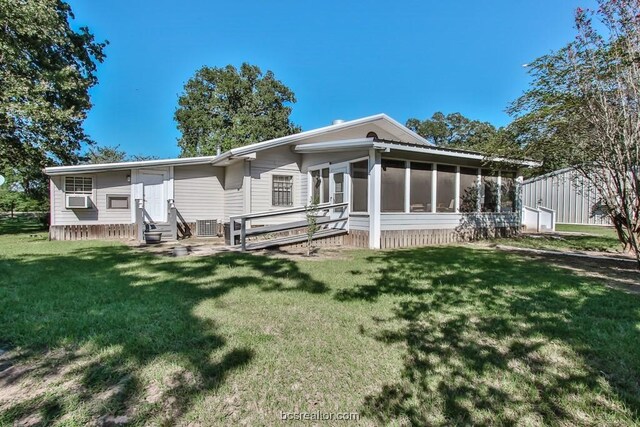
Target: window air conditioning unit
78	201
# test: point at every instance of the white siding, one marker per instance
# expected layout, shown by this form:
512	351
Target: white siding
199	192
105	183
233	190
359	222
356	132
442	221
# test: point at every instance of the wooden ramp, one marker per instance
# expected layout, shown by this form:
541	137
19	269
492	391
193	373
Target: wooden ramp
292	240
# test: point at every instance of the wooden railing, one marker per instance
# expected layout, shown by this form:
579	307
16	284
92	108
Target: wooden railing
340	218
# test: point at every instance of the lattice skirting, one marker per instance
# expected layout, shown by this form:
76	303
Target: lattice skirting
93	231
390	239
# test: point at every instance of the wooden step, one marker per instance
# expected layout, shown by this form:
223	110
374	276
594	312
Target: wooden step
291	240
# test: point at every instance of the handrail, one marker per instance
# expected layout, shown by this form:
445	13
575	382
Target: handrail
243	219
287	211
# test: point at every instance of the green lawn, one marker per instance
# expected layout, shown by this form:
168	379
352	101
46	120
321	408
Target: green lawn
598	230
592	238
20	224
442	335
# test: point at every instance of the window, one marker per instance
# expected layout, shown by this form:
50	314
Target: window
468	189
420	182
282	190
445	188
78	184
372	135
508	192
392	186
320	186
117	201
489	191
360	186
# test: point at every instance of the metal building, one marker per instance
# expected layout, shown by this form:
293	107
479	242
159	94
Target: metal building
572	197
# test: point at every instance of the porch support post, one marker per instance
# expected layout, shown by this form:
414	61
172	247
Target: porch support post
434	187
407	187
173	219
519	205
456	202
139	213
375	180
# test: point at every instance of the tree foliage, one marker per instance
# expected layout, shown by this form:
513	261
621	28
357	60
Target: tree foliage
105	154
112	154
226	108
46	71
583	109
13	198
456	131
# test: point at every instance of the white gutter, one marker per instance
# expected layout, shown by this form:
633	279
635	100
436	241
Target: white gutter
60	170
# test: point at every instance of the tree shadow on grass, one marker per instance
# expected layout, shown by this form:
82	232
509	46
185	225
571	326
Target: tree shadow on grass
493	338
87	323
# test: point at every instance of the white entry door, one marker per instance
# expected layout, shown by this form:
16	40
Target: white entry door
154	198
339	190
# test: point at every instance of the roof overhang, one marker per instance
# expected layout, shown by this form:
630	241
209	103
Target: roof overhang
390	146
90	168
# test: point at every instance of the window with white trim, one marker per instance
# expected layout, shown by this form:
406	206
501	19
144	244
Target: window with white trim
117	201
282	190
78	184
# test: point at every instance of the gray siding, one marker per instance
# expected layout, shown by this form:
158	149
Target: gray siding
198	192
104	183
277	161
567	193
359	222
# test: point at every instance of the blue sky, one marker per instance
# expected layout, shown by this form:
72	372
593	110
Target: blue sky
343	59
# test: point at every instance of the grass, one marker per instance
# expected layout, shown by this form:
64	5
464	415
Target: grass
20	224
441	335
598	230
591	238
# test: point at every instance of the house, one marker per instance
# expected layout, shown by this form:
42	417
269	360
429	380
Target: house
572	198
378	184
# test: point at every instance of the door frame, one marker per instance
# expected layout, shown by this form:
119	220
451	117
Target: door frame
137	187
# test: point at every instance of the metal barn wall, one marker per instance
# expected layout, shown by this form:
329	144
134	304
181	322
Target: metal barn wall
566	192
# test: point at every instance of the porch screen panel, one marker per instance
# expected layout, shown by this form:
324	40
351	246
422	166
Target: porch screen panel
446	188
392	185
360	186
420	182
316	184
325	185
508	192
489	191
468	189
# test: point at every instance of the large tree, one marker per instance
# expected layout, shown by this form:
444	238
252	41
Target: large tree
46	71
223	108
583	109
455	131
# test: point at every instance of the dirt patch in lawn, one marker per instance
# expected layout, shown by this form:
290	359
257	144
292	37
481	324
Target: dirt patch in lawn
299	254
618	271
